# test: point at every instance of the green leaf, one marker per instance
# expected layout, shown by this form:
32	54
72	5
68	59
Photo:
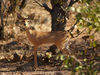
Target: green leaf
66	61
82	73
95	72
78	16
57	57
62	57
94	44
66	66
90	27
80	26
91	44
49	54
92	36
88	1
92	62
85	60
78	68
98	29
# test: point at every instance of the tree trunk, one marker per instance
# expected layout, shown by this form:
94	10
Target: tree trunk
1	23
58	17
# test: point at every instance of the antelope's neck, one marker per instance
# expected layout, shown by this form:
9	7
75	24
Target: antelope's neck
28	34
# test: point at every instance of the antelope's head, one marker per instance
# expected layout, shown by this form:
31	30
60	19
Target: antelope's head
28	24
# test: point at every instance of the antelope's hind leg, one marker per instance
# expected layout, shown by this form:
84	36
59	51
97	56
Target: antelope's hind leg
60	47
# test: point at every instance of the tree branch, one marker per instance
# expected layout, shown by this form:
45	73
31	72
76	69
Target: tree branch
43	5
46	7
4	5
81	32
72	28
72	2
23	4
38	3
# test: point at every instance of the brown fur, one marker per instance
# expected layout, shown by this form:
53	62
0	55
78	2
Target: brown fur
38	38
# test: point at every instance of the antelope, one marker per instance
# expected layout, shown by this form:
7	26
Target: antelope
39	38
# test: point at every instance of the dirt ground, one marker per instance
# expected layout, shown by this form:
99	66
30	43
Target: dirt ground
16	53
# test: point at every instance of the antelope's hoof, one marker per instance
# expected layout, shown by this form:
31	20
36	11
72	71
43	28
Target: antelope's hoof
36	68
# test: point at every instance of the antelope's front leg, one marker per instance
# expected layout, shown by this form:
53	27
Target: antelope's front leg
35	58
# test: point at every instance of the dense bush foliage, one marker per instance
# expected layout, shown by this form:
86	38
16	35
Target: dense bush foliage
88	16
